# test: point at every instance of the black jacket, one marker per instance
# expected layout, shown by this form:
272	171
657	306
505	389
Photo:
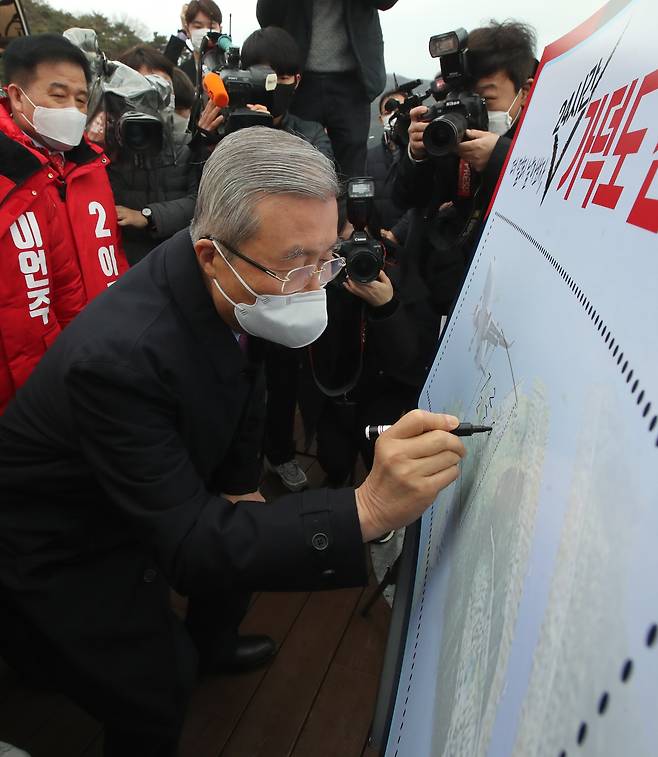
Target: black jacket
167	184
363	28
113	452
311	131
381	165
443	228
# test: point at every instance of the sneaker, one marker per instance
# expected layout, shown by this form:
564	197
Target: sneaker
291	474
383	538
7	750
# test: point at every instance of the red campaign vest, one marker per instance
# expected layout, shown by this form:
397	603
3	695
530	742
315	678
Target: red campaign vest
92	222
59	246
40	286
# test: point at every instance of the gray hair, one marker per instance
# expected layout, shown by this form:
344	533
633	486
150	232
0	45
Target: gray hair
246	167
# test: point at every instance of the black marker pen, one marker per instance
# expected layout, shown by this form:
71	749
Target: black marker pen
464	429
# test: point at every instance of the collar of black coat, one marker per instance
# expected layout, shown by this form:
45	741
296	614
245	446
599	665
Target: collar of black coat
193	299
16	161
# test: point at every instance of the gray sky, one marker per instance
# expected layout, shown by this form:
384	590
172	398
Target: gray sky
407	26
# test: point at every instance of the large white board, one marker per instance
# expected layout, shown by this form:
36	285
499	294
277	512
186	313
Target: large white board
533	621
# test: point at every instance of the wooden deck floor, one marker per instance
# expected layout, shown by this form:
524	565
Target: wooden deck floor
315	699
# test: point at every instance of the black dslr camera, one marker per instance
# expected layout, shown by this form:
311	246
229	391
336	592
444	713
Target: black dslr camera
254	86
364	256
400	118
461	109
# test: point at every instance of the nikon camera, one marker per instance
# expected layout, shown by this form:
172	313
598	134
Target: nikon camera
461	109
364	256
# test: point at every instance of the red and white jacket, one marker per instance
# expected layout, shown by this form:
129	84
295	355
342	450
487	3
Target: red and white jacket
59	245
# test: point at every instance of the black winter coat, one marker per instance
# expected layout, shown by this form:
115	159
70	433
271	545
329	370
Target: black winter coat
111	457
363	28
443	229
167	184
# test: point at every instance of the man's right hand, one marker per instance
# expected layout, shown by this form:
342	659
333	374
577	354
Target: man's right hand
416	130
414	460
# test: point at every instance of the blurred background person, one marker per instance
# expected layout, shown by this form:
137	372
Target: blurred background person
388	221
342	65
183	103
154	193
197	18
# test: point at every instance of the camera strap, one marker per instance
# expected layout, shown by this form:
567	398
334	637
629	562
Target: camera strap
464	185
345	388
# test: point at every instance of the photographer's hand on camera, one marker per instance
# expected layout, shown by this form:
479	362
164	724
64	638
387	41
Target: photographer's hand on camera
476	149
414	460
374	293
210	118
416	131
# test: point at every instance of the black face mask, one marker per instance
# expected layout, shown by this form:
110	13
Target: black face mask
281	99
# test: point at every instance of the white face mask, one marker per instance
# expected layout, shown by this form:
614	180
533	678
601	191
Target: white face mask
500	121
293	320
59	128
196	37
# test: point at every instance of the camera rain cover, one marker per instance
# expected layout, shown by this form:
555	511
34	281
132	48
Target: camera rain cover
126	110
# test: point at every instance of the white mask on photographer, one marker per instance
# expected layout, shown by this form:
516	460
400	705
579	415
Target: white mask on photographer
60	129
293	320
196	37
500	121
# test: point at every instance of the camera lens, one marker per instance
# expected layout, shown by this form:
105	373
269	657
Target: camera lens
140	133
444	133
363	265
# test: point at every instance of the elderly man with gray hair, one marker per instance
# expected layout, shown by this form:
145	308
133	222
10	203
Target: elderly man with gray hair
129	462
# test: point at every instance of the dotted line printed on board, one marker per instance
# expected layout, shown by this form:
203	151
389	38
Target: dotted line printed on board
642	402
417	639
604	699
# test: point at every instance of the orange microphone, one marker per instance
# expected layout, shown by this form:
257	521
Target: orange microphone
214	86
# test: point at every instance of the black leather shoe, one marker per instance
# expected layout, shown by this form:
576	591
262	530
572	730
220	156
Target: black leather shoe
249	652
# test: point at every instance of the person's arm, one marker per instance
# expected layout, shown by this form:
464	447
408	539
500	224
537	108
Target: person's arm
401	228
175	46
392	338
495	165
128	433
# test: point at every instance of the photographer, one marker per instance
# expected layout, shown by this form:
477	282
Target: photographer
388	221
58	227
197	18
450	194
154	194
362	370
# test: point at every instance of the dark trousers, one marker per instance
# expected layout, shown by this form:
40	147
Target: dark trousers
117	650
341	427
339	102
282	377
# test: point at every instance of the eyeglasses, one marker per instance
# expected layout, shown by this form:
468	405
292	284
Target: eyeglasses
298	278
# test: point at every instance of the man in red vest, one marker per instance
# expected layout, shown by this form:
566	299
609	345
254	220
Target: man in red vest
58	228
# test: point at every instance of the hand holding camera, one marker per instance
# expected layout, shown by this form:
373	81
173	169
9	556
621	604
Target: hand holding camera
476	149
376	293
416	132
